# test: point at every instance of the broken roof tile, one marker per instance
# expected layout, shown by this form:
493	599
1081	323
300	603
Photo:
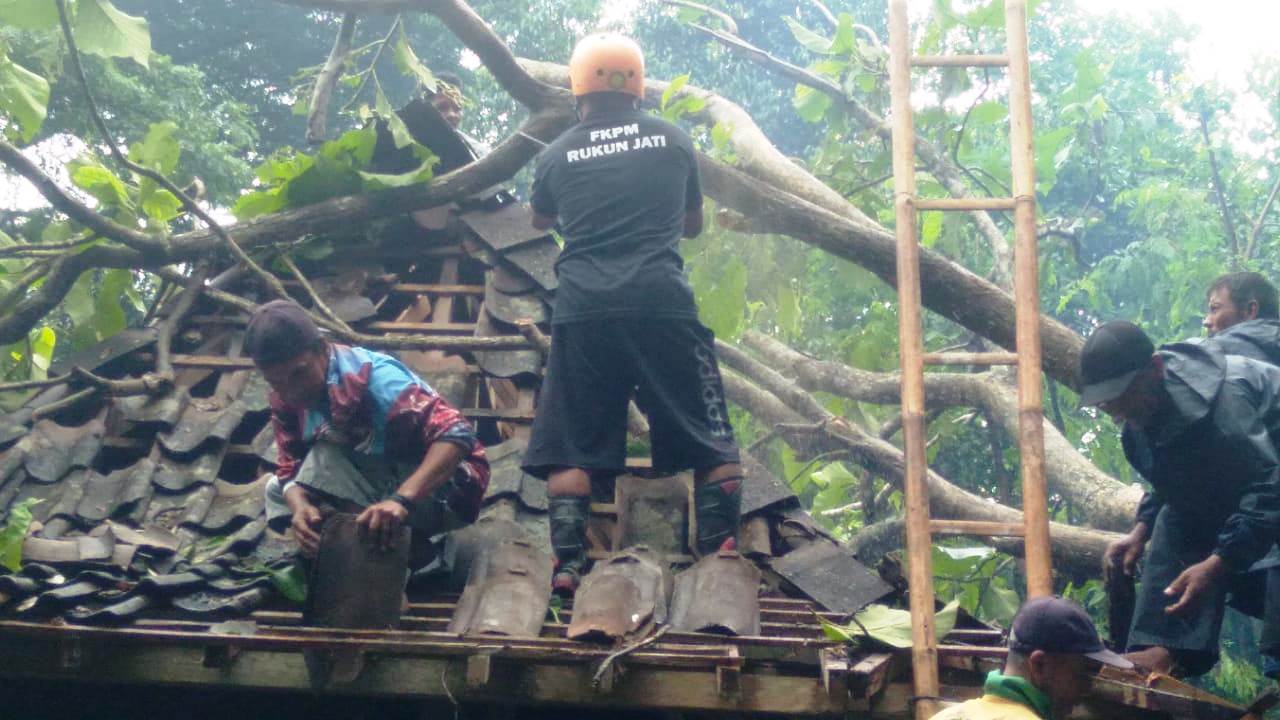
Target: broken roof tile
537	260
829	575
653	512
504	363
762	488
509	226
50	449
512	308
175	475
14	425
233	505
163	409
719	594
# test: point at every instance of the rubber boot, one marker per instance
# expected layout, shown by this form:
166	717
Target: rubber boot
568	516
716	507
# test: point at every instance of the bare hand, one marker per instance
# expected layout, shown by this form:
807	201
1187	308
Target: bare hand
1123	554
1192	583
306	528
381	522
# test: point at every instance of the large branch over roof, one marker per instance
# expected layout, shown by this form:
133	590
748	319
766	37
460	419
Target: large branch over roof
498	166
1076	551
935	159
779	197
1104	502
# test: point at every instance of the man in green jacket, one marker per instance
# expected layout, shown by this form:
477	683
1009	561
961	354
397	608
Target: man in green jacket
1053	650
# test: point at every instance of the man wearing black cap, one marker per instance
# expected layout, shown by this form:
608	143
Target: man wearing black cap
1198	426
1053	649
359	432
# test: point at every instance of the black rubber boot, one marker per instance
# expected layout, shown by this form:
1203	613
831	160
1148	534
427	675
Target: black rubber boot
568	516
716	507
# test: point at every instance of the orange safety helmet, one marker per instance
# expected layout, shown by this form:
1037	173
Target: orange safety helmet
607	62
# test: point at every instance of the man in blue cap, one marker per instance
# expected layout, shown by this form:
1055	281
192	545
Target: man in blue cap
1053	649
1198	426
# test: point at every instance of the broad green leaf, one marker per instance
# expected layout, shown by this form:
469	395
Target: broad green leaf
409	64
810	104
29	14
326	179
986	113
24	96
673	88
999	602
101	29
14	532
78	304
353	149
263	202
290	582
930	228
159	204
102	184
117	285
808	38
282	167
399	131
888	626
421	174
43	342
159	151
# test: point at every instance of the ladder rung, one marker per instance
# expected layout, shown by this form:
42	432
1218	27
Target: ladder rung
971	358
966	204
960	61
976	527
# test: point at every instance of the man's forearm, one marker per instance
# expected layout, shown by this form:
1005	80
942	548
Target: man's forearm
438	465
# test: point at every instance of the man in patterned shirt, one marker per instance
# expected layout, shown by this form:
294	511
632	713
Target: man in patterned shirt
359	432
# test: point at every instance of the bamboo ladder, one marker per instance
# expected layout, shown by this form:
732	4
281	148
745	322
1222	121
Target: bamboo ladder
920	528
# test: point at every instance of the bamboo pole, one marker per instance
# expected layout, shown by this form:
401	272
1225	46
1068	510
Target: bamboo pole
1035	501
924	654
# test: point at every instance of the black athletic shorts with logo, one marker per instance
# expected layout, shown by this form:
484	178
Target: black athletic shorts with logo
594	368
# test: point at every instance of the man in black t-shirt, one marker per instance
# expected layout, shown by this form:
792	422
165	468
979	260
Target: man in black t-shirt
622	186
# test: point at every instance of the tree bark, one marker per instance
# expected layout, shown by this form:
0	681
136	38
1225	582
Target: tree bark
1106	503
1076	551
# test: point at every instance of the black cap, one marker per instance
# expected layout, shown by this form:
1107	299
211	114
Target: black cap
1112	357
1057	625
280	330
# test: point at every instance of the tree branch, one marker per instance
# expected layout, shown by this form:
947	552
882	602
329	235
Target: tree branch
946	172
1256	230
328	78
373	64
720	15
1228	224
1108	503
1078	551
65	203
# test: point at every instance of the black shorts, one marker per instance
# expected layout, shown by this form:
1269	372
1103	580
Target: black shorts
594	369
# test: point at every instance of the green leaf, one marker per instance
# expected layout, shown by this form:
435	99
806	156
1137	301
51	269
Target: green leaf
326	179
291	582
254	204
672	89
930	229
999	602
808	38
399	131
421	174
102	184
810	104
29	14
42	345
159	204
14	532
409	64
101	29
159	151
892	627
986	113
24	96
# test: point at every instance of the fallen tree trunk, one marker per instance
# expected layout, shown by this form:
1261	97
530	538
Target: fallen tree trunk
1105	502
1076	551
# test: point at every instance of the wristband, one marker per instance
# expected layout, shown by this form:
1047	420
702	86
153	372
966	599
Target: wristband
404	502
